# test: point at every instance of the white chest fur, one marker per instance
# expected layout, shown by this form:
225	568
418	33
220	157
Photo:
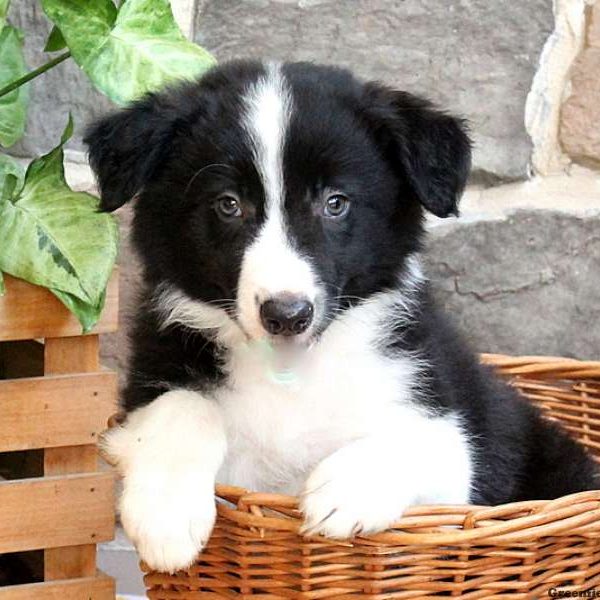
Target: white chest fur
287	408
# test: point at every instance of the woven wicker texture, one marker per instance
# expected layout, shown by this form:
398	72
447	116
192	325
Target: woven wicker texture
519	550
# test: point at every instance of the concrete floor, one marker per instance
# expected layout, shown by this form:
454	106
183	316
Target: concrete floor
119	560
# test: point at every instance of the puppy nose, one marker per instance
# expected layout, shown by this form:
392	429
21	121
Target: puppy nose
286	315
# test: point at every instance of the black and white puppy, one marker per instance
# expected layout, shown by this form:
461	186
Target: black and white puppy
286	340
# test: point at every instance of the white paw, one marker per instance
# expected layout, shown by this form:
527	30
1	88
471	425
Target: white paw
169	518
349	493
168	452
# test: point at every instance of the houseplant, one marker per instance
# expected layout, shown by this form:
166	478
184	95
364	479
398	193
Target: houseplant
51	235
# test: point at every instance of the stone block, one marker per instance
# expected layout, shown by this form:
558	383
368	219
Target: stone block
580	115
593	33
523	284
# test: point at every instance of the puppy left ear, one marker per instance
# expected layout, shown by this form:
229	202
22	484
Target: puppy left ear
432	148
126	148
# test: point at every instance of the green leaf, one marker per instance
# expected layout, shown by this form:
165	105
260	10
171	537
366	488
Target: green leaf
13	106
2	286
9	166
130	52
3	12
87	314
55	237
55	41
9	186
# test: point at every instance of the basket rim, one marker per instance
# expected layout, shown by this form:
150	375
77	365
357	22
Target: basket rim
549	367
512	523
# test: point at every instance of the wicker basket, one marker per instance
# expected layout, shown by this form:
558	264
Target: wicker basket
531	550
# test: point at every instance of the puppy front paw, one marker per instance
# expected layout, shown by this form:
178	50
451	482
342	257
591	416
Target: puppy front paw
348	494
168	452
169	519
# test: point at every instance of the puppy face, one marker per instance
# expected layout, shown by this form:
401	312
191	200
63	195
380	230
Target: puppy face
279	194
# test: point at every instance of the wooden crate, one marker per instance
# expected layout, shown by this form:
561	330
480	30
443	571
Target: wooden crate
55	399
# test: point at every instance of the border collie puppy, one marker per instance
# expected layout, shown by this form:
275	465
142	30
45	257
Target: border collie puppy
286	339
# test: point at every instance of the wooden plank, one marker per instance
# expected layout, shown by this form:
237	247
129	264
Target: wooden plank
70	460
53	512
100	587
80	354
24	358
52	411
71	355
29	311
61	563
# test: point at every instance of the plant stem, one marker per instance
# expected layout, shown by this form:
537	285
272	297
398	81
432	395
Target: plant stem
33	74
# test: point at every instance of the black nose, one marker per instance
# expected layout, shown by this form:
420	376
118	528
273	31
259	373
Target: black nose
286	315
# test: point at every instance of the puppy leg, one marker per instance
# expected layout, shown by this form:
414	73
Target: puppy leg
366	485
169	452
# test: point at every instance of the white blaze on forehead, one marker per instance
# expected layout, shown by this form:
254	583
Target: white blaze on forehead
270	265
269	106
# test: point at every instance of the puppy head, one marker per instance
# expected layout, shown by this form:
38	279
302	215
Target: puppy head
278	195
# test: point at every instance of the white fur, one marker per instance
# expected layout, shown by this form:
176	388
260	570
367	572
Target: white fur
169	453
268	108
366	485
270	265
177	307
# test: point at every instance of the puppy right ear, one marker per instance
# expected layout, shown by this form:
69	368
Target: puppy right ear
126	148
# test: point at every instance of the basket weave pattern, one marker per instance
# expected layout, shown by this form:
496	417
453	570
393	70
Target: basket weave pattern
519	550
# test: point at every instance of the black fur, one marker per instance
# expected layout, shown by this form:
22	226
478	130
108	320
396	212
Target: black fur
395	154
519	456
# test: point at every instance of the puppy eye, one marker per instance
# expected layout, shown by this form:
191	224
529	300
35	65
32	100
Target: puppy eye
228	207
336	206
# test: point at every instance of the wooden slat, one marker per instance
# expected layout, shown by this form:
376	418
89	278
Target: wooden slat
70	459
62	563
71	355
59	410
29	311
56	511
80	354
100	587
